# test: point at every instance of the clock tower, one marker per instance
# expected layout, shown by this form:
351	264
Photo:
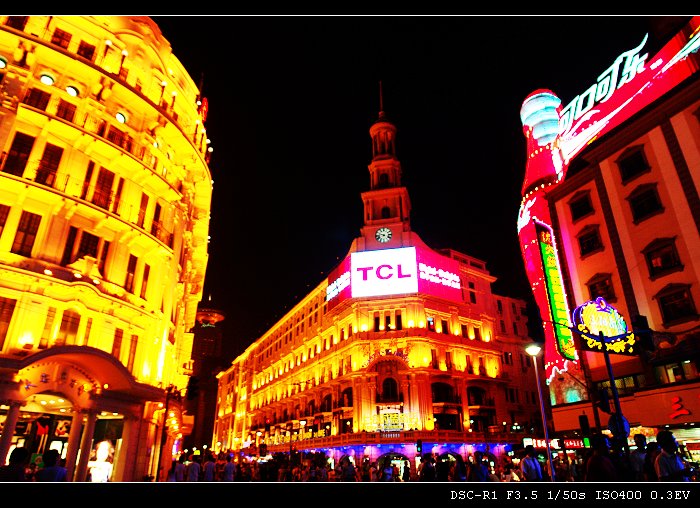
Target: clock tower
387	206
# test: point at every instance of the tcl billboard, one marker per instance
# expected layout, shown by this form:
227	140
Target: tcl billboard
394	272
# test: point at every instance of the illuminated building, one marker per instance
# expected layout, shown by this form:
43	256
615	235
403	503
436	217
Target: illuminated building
626	217
105	196
400	345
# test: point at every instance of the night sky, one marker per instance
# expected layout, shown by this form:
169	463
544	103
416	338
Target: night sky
291	101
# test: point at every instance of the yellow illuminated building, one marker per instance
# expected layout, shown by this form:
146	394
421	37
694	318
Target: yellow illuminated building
105	197
401	346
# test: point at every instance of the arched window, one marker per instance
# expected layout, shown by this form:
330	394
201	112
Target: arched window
390	390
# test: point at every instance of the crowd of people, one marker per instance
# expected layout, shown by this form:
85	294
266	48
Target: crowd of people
605	461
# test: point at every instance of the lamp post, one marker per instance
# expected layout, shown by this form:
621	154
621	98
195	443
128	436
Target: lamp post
533	350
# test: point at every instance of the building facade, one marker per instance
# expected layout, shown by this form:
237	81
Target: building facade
105	194
401	350
627	220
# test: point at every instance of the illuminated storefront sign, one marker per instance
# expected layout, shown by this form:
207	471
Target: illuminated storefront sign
387	272
555	290
557	444
602	328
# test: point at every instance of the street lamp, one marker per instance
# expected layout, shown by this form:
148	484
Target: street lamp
533	350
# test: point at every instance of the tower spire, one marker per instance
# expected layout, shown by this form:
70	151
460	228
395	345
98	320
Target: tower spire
381	102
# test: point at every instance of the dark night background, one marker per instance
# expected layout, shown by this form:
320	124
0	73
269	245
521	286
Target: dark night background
291	101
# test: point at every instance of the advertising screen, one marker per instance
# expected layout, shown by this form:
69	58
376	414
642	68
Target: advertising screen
388	272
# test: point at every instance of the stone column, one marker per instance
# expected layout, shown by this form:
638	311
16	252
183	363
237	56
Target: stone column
8	430
85	446
76	426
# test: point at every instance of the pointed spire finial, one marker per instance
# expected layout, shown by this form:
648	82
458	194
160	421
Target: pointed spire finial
381	102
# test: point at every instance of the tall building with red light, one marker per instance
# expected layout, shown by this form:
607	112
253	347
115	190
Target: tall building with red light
402	347
105	194
612	180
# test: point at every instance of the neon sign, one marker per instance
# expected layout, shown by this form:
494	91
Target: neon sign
626	87
603	329
555	291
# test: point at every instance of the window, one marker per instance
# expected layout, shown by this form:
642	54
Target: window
144	282
4	212
465	330
601	285
477	332
386	212
86	50
61	38
399	324
17	22
65	110
117	343
515	328
87	180
80	244
445	327
88	245
589	240
118	196
676	303
19	154
580	205
48	166
142	210
69	328
377	320
431	323
645	202
507	358
7	308
662	257
130	272
472	293
499	304
26	234
47	334
132	352
632	163
103	188
387	322
37	99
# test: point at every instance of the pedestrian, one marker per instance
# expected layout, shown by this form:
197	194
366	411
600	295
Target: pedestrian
387	474
637	457
427	469
442	470
15	469
478	470
406	475
349	474
599	466
668	465
194	468
52	470
229	469
209	468
180	468
530	466
653	450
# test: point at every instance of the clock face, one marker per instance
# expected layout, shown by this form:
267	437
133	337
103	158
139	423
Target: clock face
383	235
